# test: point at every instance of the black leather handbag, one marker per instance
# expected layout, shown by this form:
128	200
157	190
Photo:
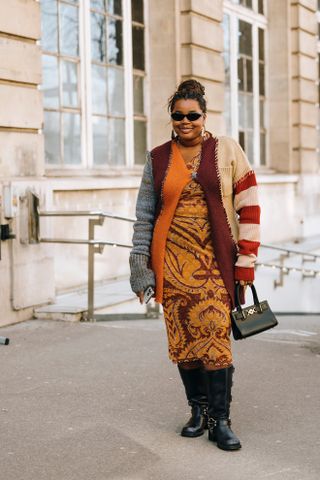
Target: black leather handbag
252	320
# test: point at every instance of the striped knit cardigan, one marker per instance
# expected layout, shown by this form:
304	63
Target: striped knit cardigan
238	189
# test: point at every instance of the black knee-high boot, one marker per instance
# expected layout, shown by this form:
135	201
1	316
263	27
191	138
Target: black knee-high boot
219	399
194	382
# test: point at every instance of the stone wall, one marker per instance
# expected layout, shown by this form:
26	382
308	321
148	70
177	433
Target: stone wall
26	271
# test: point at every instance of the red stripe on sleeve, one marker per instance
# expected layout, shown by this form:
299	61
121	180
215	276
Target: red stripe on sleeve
247	246
250	214
247	181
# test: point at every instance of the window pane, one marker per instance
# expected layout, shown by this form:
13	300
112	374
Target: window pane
261	44
98	37
242	111
115	91
260	6
52	137
70	84
139	142
249	111
241	74
226	52
227	110
71	138
262	149
115	41
138	47
49	24
69	44
262	113
100	140
245	111
116	139
261	79
99	4
244	3
245	40
249	146
249	86
241	140
137	10
138	94
99	89
50	81
115	7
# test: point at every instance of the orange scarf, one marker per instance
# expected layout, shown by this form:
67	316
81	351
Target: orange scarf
176	179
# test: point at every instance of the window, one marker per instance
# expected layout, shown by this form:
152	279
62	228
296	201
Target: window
245	95
257	5
245	3
90	108
107	83
61	62
138	61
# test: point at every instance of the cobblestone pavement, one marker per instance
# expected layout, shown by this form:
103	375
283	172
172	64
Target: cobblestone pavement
102	401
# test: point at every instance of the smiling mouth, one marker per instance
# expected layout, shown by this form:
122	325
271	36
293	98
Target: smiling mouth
186	129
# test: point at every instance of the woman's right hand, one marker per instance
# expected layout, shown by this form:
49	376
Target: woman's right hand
140	295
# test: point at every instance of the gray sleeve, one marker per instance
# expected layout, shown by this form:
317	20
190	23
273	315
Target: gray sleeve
141	275
145	212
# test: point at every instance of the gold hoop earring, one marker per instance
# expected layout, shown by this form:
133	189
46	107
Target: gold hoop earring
174	136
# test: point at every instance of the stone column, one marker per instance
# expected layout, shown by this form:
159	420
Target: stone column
163	69
304	73
279	81
201	48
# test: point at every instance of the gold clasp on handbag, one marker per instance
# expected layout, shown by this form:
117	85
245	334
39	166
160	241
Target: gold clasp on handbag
252	310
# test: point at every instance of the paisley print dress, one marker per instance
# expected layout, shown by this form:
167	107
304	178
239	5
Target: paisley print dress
196	303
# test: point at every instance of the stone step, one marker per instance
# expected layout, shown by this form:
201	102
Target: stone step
111	299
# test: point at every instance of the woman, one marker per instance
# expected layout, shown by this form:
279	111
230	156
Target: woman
189	245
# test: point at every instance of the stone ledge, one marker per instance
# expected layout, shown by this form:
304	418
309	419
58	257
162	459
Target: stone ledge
103	183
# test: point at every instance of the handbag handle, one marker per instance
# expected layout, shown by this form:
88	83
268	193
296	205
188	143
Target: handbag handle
255	299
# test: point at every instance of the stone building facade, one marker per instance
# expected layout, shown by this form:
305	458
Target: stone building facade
83	91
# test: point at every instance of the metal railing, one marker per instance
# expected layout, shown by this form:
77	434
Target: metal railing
289	251
285	270
95	246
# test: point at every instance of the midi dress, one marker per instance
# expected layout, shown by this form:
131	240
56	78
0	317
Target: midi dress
196	303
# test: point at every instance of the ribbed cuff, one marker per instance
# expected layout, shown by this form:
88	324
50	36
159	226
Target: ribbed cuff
141	275
243	273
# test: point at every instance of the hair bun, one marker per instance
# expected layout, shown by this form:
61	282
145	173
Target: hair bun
191	87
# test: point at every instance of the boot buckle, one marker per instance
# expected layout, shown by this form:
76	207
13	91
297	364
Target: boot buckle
205	411
212	423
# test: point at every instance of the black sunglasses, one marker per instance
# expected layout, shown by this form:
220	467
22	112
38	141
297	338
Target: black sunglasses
192	116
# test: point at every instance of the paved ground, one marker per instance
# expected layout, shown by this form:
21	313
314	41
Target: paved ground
102	401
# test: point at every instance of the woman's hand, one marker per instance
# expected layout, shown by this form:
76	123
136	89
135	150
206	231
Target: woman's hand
244	283
140	295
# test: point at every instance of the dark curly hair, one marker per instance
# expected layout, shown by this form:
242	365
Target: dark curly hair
189	89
